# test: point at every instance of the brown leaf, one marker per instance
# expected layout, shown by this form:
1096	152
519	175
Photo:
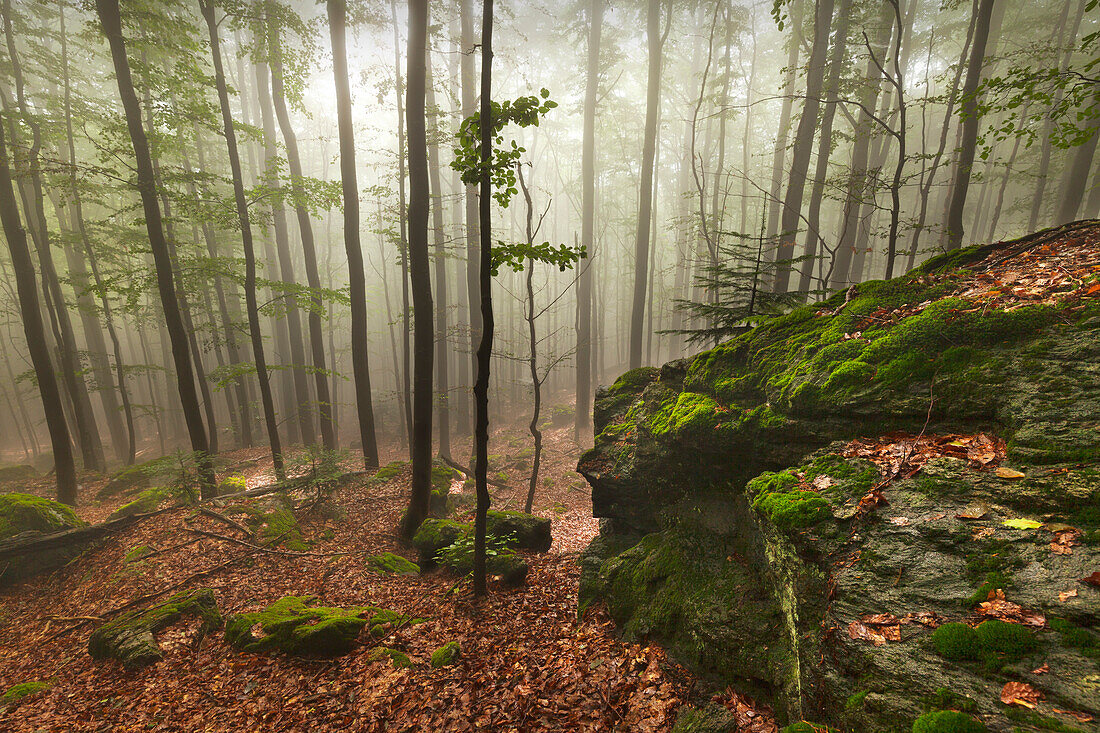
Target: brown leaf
1067	594
1013	612
1093	580
1079	717
1041	670
1009	473
1020	693
876	634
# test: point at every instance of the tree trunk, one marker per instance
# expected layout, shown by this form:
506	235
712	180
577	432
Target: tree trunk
360	352
419	271
803	144
774	203
251	306
442	344
1075	181
473	235
645	200
403	214
583	413
970	121
309	249
485	279
112	27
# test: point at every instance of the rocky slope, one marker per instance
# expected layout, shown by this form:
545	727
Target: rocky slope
862	585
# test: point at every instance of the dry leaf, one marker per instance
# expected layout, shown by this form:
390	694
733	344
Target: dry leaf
1009	473
876	633
1041	670
1093	580
1067	594
1079	717
1020	693
899	521
1004	610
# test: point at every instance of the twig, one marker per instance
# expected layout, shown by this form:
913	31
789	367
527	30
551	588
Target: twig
224	520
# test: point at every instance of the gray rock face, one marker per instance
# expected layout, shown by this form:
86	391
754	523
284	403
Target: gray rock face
733	531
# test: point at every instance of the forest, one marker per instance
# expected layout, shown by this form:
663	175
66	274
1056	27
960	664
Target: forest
705	366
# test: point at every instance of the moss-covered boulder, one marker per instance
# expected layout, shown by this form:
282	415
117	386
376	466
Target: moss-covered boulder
273	522
19	692
388	563
21	513
735	531
527	531
396	658
131	638
435	534
17	472
147	501
297	626
446	655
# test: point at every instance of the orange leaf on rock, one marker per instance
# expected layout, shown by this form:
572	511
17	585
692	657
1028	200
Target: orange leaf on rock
997	607
1093	580
1020	693
1079	717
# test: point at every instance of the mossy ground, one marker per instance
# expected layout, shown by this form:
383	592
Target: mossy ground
26	513
397	658
23	690
947	721
446	655
389	563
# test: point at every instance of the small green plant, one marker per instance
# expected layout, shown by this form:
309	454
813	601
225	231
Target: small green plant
317	470
233	485
460	553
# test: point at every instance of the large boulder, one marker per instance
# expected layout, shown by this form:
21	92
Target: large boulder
24	513
131	638
739	529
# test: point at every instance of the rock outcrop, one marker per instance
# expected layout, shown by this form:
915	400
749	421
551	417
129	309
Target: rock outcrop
743	531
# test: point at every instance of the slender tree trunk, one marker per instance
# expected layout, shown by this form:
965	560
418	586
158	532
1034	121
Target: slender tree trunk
583	414
35	331
532	345
286	266
442	344
473	236
1075	181
309	248
645	199
112	27
360	352
803	144
403	216
419	271
774	202
251	305
485	348
971	119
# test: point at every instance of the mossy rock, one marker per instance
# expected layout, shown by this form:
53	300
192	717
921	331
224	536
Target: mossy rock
446	655
709	718
398	659
442	475
273	523
130	638
509	567
296	626
390	564
233	485
19	472
948	721
137	554
136	477
23	690
433	535
991	641
26	513
530	532
387	472
147	501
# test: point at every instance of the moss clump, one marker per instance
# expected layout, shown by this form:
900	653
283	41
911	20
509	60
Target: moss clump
23	690
787	507
435	534
447	654
233	485
136	554
130	637
398	659
993	642
709	718
947	721
945	699
855	701
21	472
992	582
993	556
147	501
294	625
390	564
1076	637
387	472
442	475
25	513
277	527
1037	721
690	415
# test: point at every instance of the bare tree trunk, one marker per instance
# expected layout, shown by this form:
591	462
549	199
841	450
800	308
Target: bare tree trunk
971	118
774	203
583	415
251	306
419	271
112	27
473	235
485	348
399	91
309	248
360	351
442	344
1075	181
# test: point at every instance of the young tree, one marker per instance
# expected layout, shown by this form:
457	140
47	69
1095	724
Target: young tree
251	306
419	271
337	21
111	20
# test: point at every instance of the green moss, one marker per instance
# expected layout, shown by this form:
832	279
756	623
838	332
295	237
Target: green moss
992	556
147	501
446	655
993	642
442	475
137	554
398	659
787	507
527	531
947	721
390	564
130	638
387	472
233	485
435	534
294	625
23	690
1038	721
855	701
690	414
945	699
993	581
19	472
25	513
280	527
956	641
1076	637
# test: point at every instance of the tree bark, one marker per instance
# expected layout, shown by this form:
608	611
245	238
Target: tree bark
251	305
111	21
442	344
360	351
419	271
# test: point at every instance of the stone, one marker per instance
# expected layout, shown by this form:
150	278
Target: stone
131	638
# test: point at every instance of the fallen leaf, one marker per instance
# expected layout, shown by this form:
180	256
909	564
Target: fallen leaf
982	533
1020	693
822	481
1009	473
972	511
1067	594
1079	717
1004	610
1022	523
1041	670
868	630
899	521
1093	580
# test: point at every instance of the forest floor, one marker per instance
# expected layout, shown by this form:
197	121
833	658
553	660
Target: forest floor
528	662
